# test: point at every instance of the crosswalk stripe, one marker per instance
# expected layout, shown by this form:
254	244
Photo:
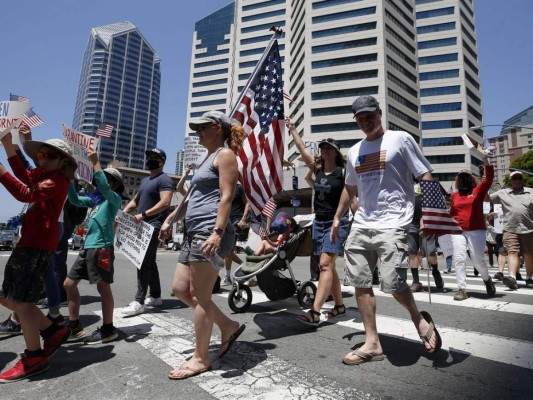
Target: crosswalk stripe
171	339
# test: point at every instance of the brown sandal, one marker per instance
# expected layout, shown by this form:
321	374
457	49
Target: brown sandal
313	319
337	310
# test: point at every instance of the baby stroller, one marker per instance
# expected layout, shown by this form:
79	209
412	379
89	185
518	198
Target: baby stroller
268	271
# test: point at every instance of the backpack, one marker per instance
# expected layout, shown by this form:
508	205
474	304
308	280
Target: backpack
75	214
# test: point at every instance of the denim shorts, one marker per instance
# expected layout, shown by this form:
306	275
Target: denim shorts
24	274
366	249
321	242
191	253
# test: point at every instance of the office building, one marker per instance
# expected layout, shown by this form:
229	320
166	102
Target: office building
119	85
178	168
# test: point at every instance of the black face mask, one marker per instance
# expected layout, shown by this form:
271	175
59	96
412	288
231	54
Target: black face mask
152	164
465	184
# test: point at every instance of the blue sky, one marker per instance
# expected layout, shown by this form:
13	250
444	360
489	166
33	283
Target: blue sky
43	44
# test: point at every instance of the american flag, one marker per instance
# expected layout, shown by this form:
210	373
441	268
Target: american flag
16	97
261	114
268	212
371	162
436	220
105	130
31	119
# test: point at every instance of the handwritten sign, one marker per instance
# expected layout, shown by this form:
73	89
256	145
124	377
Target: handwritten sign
194	153
131	238
498	218
81	144
11	113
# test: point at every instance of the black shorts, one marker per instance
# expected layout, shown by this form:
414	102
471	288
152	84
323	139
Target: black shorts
94	265
416	242
24	274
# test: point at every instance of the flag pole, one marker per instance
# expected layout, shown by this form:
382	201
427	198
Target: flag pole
277	34
427	263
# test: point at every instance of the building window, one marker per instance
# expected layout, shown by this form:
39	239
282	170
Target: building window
435	13
448	26
209	93
344	29
344	61
344	45
329	3
262	27
442	107
443	124
263	15
440	91
438	59
404	117
262	4
447	159
335	94
451	73
320	112
429	44
344	77
344	14
346	126
442	141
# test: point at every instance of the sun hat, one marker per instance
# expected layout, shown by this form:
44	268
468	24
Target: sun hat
515	173
211	117
115	173
32	147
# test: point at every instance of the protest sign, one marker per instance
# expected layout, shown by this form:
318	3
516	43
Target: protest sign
498	218
194	153
11	113
132	239
81	144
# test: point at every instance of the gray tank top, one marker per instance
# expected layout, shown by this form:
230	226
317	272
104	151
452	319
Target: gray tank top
205	199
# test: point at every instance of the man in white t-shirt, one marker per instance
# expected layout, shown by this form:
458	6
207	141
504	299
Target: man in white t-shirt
380	173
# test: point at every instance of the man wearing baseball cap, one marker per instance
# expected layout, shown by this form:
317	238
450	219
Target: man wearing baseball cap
151	205
379	172
517	205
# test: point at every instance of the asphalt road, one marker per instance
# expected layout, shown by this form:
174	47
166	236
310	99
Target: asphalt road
487	349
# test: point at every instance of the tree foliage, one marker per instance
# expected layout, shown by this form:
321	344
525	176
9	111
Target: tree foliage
524	163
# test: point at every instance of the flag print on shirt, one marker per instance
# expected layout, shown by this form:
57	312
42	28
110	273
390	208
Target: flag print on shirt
371	162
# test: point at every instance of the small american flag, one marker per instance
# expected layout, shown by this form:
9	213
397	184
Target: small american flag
261	114
436	220
105	130
16	97
371	162
31	119
287	96
268	212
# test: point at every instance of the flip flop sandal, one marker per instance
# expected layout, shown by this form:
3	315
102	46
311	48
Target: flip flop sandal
432	330
313	320
363	357
232	339
193	372
337	310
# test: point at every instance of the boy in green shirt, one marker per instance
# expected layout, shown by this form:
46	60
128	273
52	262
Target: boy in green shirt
95	260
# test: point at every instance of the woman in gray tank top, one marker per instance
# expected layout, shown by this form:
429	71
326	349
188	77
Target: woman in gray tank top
210	237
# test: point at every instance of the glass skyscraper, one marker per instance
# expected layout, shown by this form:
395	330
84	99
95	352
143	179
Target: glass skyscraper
120	85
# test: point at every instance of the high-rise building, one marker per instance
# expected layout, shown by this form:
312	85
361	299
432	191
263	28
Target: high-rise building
178	168
418	58
119	85
450	97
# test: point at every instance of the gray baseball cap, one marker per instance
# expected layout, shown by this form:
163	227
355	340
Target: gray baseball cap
211	117
365	104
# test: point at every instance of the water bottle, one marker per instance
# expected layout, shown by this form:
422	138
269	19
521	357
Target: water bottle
215	259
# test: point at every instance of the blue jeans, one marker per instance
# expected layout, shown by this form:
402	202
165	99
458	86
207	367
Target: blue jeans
51	286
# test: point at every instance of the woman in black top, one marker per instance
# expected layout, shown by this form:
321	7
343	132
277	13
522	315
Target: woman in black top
328	182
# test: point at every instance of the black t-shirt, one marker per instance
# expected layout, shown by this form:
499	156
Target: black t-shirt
237	205
328	190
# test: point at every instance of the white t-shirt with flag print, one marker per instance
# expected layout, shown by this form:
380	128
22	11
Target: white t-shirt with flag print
383	170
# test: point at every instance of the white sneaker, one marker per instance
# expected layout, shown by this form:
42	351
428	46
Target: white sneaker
134	308
153	302
226	281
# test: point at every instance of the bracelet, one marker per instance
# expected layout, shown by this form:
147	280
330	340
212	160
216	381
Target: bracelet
144	214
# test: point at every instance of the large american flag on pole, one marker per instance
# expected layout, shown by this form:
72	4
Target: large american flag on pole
436	220
16	97
261	114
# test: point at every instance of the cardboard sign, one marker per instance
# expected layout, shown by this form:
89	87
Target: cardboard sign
486	207
11	113
81	144
498	218
194	153
132	239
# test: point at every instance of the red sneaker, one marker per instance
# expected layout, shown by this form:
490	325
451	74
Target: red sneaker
27	366
53	342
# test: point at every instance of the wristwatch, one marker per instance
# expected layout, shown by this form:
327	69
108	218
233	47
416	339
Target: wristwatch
218	231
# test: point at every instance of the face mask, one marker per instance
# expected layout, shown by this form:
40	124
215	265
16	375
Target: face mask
152	164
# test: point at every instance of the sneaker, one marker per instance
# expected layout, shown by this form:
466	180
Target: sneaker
153	302
9	328
447	271
76	332
439	283
24	368
461	295
489	286
101	336
226	281
529	283
59	321
476	272
510	282
498	276
519	277
134	308
416	287
53	342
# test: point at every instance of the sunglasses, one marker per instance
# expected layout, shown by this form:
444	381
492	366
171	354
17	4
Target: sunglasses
49	156
517	178
204	127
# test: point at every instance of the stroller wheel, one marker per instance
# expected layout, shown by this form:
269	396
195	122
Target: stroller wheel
306	294
240	298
